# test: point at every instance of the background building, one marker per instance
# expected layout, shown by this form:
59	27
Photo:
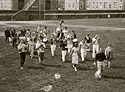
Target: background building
71	4
104	4
6	5
62	5
82	4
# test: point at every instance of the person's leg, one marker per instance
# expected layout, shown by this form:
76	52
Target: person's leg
109	63
97	48
23	58
39	56
63	55
42	56
75	67
82	54
32	52
52	49
6	38
93	51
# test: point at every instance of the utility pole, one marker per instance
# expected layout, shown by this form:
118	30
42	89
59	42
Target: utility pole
44	9
39	9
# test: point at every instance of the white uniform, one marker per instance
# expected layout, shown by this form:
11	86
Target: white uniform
82	47
53	46
109	55
95	46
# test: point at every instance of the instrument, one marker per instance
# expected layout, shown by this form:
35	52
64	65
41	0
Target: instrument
45	40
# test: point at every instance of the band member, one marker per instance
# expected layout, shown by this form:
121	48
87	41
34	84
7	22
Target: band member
109	54
15	42
100	60
11	37
82	48
74	53
53	44
22	47
40	46
45	30
88	41
39	28
95	42
62	24
23	31
59	28
69	42
65	31
73	35
32	47
63	47
7	35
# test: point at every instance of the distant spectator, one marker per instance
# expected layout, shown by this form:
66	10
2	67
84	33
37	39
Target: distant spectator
7	35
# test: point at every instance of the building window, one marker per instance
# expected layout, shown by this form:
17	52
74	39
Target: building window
97	5
110	5
1	5
120	7
73	4
81	5
120	0
105	5
88	4
100	6
69	4
93	4
115	5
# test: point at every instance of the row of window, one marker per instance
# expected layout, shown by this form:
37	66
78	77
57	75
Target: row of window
103	5
74	5
6	5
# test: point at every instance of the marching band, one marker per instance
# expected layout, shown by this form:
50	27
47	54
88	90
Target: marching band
67	42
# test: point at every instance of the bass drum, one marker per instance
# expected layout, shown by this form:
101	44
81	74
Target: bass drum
45	40
33	35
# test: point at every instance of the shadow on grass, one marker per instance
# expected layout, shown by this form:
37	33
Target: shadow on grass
117	66
86	68
35	67
113	77
58	66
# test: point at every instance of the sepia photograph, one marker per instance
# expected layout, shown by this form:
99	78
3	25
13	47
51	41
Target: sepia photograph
62	45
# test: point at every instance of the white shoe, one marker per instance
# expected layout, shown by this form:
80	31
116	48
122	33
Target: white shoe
94	63
21	68
75	69
73	66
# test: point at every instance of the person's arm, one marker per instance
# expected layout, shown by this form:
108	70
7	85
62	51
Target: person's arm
71	52
111	53
19	46
79	47
106	53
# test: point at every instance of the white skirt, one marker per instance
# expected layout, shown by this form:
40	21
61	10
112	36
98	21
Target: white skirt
74	58
10	39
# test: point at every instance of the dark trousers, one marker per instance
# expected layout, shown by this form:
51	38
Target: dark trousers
7	39
22	56
41	55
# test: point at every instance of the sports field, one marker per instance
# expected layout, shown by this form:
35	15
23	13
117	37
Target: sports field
34	76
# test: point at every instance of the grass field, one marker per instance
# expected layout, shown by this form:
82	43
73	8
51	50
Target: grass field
33	77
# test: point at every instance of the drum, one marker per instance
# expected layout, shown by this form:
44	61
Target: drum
45	40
